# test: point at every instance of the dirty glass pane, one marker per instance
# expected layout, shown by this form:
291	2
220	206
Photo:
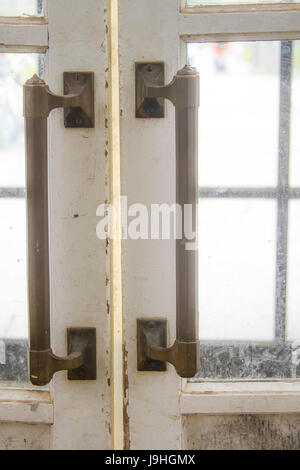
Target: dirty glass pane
237	248
191	3
239	112
14	70
295	116
21	7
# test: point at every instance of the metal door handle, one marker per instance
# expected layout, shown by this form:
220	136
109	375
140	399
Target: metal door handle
38	103
183	92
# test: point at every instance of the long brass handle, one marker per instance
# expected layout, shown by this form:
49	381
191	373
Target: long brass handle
38	103
183	92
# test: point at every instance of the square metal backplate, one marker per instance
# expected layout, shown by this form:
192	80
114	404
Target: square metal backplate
152	73
83	339
83	117
156	331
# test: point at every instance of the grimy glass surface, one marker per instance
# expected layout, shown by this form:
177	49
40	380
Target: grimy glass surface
15	69
20	7
249	209
293	293
192	3
294	174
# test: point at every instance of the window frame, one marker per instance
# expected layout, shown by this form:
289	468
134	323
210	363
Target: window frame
229	24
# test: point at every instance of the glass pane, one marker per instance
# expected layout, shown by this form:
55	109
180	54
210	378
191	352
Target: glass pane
293	291
295	116
13	297
239	112
20	7
191	3
15	69
237	256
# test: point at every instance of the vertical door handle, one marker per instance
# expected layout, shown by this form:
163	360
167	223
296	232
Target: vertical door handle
38	103
183	92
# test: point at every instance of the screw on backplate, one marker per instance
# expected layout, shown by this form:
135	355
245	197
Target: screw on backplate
149	68
78	121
